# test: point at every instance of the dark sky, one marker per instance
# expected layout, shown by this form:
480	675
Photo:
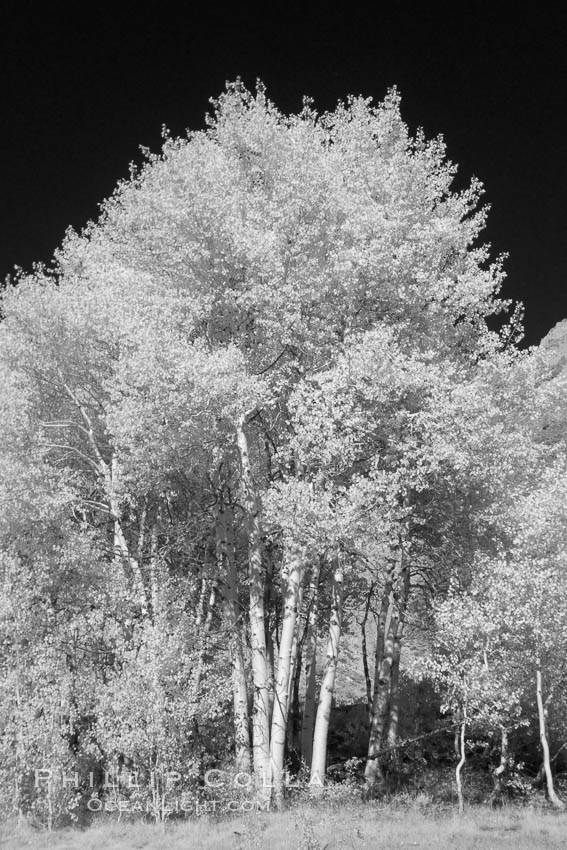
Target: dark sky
82	91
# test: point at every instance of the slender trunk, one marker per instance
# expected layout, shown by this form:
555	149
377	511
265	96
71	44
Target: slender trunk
383	661
394	601
294	716
394	709
270	629
288	643
122	551
461	762
367	678
394	702
123	556
373	771
308	724
109	472
394	699
261	710
204	631
501	769
20	759
319	757
295	646
227	569
155	575
270	664
553	798
155	572
200	615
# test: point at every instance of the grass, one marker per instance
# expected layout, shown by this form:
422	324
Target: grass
323	827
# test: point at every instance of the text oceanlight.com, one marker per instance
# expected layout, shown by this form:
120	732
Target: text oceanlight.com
118	790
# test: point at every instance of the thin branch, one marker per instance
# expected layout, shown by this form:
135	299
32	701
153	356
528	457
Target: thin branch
72	450
274	362
101	506
90	431
64	423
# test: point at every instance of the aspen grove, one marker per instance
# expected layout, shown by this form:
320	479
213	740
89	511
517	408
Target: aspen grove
271	394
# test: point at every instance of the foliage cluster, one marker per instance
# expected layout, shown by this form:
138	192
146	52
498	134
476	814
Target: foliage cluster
256	407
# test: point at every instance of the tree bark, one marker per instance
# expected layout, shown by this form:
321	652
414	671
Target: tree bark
367	678
392	614
231	612
109	472
295	646
122	555
383	660
553	798
261	710
270	629
373	772
294	716
155	575
201	607
203	634
288	644
501	769
394	701
394	704
319	759
461	762
308	724
121	548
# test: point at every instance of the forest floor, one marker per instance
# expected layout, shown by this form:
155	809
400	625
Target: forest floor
322	827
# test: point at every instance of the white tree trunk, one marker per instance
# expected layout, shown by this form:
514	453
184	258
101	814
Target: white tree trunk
501	769
227	570
109	472
261	711
318	764
388	649
382	664
394	705
553	798
373	771
296	637
204	630
461	763
288	645
308	724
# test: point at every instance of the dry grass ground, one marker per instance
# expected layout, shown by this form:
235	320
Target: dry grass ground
351	827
